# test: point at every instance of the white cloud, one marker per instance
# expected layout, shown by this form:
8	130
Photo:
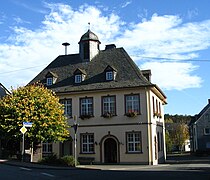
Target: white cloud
173	75
126	4
161	36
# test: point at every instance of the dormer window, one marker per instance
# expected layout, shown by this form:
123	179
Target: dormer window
109	76
51	78
79	75
49	81
78	78
110	73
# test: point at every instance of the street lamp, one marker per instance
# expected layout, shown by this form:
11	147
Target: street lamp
75	126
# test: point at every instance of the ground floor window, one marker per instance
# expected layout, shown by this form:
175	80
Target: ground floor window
47	147
134	142
87	143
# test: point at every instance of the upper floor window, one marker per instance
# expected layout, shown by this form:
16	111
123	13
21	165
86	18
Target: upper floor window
78	78
132	103
134	142
51	78
87	143
109	105
67	106
79	75
86	106
110	73
49	81
109	76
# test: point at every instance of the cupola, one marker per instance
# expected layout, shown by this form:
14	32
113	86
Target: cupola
88	46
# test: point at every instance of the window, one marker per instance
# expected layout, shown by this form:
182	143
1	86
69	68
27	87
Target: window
134	142
78	78
109	75
49	81
153	104
132	103
67	106
207	131
109	105
86	106
87	141
47	147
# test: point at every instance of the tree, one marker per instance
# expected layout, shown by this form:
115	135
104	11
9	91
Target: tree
180	135
36	104
169	143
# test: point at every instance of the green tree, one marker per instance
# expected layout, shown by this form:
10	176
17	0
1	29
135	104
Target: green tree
36	104
180	135
169	142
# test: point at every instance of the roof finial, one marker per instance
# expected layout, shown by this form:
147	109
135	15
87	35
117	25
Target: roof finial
88	25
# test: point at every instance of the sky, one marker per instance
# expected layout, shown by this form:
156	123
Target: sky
172	38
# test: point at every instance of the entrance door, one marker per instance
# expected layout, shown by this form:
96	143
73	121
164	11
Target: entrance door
110	151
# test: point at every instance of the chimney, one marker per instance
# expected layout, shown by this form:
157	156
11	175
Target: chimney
147	74
209	101
110	46
65	44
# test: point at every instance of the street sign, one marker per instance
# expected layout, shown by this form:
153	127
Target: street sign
27	124
23	130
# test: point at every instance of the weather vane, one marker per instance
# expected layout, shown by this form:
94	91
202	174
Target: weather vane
89	25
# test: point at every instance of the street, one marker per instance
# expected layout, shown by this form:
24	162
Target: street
121	172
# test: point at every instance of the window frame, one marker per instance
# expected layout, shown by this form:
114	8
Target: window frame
86	106
66	106
134	143
49	81
109	75
48	149
78	78
127	110
89	144
109	105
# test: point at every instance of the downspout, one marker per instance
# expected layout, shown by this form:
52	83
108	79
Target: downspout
149	128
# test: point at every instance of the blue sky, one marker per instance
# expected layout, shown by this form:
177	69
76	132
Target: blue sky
172	38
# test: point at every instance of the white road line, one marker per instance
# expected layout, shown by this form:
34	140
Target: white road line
26	169
46	174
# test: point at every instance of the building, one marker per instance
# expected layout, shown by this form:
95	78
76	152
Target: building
119	111
200	131
3	92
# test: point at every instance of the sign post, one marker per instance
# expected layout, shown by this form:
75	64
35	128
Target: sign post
23	131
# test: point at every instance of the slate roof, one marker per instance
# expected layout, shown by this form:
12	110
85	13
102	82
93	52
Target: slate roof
3	91
64	66
197	116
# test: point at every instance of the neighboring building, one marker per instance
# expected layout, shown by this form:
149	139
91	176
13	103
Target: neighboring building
119	111
200	131
3	92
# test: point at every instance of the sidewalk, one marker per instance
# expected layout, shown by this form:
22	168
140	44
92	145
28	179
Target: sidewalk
33	165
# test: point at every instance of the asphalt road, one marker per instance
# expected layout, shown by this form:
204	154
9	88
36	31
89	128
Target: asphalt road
163	172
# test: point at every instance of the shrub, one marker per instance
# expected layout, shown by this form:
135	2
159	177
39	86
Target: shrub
51	159
68	161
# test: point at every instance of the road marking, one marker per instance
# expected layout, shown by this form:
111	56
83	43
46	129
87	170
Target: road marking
26	169
46	174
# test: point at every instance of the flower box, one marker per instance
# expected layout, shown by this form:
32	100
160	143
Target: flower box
86	116
131	114
107	115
